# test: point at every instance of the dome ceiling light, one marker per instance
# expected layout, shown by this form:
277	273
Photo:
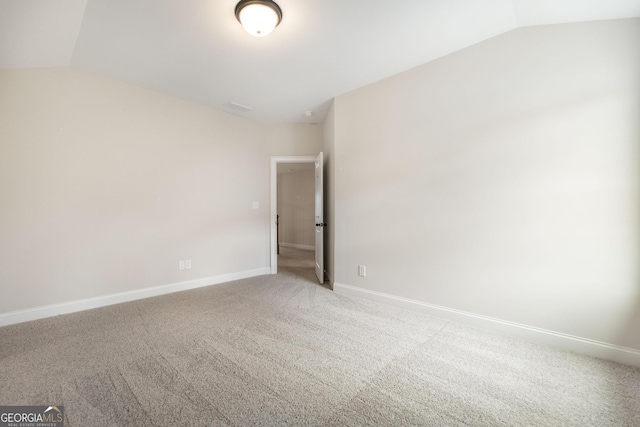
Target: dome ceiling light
258	17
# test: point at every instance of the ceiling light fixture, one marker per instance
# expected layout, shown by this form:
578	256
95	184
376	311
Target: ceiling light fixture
258	17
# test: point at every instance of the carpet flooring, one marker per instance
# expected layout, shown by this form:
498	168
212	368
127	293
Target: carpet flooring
283	350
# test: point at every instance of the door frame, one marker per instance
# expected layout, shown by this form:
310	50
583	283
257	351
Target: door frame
273	200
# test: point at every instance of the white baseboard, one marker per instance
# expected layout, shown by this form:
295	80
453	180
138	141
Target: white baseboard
27	315
297	246
602	350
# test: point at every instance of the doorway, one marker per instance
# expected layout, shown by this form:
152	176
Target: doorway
309	229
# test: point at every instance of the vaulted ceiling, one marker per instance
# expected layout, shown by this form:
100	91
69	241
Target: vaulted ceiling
195	49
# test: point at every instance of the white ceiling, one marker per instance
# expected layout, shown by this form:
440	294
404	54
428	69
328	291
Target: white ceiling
195	49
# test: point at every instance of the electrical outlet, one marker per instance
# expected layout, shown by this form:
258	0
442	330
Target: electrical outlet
362	271
181	265
187	264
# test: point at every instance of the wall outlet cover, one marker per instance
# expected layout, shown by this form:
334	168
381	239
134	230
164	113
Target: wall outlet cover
362	271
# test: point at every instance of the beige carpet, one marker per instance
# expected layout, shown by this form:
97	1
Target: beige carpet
282	350
296	258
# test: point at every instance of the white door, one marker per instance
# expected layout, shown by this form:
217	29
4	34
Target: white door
319	220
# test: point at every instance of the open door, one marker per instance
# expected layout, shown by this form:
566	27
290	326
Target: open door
319	215
319	220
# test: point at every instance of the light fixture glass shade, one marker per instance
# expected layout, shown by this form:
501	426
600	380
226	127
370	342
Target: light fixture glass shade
258	18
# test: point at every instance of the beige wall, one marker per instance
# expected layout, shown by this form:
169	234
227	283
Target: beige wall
328	142
296	207
105	186
502	180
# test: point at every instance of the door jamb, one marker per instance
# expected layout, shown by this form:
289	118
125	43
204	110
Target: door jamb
273	200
